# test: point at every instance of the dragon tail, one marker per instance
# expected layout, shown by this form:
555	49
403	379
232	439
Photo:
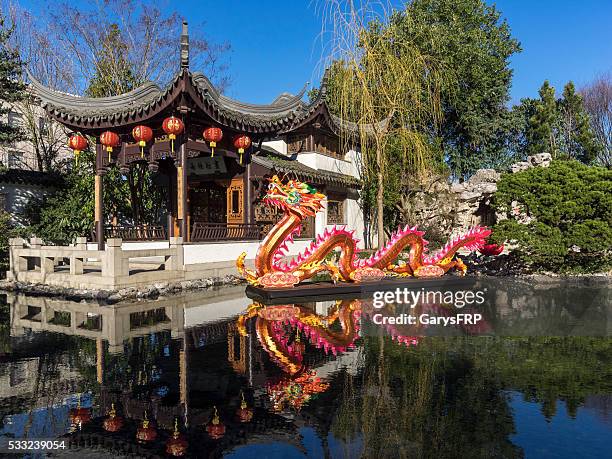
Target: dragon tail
472	240
247	274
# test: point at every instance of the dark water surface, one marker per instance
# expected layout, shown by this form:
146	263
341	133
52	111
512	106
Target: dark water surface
319	379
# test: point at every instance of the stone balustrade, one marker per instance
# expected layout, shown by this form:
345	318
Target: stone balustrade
76	266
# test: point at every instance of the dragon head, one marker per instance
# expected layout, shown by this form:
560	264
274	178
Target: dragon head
294	196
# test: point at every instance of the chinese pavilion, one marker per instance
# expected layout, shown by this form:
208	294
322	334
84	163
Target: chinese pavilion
213	153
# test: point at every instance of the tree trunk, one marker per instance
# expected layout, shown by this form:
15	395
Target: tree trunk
380	203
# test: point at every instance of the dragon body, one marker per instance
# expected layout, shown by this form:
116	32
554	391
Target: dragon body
299	200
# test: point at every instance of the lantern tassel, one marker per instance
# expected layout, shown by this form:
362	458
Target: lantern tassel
241	151
76	157
212	149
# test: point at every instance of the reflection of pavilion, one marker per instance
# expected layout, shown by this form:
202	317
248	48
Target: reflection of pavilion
171	357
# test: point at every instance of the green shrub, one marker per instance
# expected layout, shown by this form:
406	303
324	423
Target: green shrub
560	216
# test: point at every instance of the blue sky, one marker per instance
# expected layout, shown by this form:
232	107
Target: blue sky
277	45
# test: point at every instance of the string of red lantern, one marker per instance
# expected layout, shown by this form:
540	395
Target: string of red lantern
172	126
77	143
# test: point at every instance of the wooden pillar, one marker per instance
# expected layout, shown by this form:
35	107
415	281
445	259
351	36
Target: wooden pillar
100	360
248	196
181	192
99	210
171	204
184	378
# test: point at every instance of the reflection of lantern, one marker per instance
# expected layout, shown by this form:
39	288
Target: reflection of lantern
79	416
215	428
176	445
213	135
78	143
244	413
146	432
109	139
172	126
242	142
142	135
113	423
491	249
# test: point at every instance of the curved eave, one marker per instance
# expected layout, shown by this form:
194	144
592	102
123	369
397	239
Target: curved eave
147	101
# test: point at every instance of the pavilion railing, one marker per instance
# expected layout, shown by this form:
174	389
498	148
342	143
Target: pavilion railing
204	231
133	233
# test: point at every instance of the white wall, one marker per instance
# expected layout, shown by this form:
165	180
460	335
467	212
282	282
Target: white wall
279	146
17	196
229	251
327	163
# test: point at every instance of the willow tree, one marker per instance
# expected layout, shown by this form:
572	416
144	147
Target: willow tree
382	85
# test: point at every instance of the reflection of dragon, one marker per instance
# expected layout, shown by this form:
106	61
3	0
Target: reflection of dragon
279	331
276	324
298	201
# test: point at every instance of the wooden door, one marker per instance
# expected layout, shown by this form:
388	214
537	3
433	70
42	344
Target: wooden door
235	201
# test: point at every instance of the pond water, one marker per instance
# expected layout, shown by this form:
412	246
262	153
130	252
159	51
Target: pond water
533	378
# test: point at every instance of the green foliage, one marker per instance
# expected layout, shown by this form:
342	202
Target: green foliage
60	218
11	87
473	45
113	74
6	231
132	198
561	127
567	216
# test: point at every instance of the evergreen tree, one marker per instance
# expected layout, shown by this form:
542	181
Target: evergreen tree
113	74
473	44
11	88
577	137
543	125
561	127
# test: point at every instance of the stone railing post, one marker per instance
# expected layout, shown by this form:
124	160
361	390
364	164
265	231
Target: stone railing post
17	264
114	263
175	261
76	263
47	264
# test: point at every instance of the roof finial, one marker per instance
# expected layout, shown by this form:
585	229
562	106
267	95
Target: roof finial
184	47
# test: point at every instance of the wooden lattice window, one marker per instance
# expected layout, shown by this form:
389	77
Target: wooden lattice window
335	212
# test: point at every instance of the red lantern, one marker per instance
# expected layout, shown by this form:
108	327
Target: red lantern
78	143
215	428
244	413
176	445
110	140
79	416
146	432
213	135
142	135
172	126
242	142
113	423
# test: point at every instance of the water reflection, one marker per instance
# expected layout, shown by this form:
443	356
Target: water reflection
214	373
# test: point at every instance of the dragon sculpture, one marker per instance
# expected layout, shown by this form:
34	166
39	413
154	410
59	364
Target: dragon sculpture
299	200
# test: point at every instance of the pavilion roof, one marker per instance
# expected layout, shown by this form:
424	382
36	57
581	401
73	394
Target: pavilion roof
148	100
279	164
192	93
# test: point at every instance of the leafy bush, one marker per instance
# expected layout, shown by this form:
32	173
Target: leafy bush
560	216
